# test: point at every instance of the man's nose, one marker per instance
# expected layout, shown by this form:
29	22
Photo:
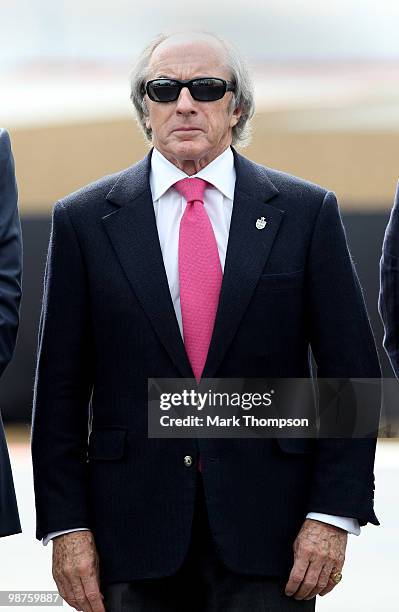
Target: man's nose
185	102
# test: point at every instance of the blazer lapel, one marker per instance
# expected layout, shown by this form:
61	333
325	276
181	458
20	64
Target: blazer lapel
133	233
248	249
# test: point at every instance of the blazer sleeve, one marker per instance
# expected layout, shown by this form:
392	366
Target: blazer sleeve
63	385
388	303
343	347
10	253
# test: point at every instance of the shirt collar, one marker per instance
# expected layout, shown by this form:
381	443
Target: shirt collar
220	172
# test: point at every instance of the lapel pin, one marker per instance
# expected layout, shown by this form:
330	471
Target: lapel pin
261	223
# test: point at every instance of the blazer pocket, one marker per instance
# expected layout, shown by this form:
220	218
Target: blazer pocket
281	282
296	445
107	444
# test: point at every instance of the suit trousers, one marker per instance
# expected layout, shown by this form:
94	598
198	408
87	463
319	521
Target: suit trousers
203	583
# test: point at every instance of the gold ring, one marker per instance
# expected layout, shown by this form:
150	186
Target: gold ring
336	577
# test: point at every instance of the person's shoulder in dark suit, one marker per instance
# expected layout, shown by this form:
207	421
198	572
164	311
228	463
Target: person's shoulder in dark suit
10	295
307	194
91	198
10	252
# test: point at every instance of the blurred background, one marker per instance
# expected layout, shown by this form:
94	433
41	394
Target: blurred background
327	96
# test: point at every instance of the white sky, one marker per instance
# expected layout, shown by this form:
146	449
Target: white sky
263	29
63	60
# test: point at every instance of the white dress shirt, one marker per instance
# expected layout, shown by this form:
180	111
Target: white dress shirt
169	207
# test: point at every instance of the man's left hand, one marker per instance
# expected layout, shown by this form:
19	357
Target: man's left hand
319	549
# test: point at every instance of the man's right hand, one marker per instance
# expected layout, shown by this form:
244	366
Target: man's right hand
76	571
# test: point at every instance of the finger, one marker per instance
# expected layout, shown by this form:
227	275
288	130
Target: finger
297	573
79	594
322	581
92	592
310	578
65	590
330	586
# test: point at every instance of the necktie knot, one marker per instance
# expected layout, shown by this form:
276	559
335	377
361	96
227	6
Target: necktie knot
191	188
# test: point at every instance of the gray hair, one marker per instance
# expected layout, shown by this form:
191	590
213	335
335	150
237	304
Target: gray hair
243	96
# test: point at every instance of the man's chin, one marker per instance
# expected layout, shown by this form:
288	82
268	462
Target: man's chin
190	149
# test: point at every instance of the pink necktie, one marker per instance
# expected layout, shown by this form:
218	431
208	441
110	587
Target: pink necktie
200	273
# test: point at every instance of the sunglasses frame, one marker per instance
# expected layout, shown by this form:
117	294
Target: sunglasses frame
228	86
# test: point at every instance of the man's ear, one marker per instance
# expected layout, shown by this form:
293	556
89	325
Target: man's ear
235	117
146	115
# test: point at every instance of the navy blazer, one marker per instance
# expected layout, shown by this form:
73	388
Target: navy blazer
10	295
388	303
108	324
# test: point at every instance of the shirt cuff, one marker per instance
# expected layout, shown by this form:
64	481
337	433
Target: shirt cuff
53	534
351	525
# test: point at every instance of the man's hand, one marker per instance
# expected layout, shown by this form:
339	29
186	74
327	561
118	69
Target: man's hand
319	549
76	571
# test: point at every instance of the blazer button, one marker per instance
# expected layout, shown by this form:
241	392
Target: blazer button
188	461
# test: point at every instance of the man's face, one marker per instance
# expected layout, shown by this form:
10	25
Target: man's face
188	129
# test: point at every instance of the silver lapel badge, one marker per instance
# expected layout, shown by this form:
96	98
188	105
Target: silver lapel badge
261	223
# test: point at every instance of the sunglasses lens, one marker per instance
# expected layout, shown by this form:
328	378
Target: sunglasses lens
204	90
163	90
207	90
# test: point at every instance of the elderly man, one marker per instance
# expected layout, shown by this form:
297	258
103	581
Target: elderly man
194	262
10	297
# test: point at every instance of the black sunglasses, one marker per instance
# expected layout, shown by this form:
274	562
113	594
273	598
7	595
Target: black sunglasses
203	89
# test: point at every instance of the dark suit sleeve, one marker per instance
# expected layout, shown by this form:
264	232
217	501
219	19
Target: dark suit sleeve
388	304
10	295
343	347
9	517
10	254
63	385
